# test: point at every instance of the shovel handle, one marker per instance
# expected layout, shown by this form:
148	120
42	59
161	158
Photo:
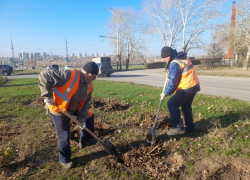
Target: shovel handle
156	118
159	107
79	124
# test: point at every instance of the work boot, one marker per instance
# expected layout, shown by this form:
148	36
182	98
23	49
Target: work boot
189	131
175	131
91	142
67	165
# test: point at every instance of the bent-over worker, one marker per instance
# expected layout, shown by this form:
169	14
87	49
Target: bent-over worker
71	90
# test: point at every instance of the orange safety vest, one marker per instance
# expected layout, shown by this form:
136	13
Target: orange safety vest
189	76
63	94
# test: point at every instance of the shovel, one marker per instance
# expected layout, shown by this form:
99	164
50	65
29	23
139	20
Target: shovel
152	131
107	145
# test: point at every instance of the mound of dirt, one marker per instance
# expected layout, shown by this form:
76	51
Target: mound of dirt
152	160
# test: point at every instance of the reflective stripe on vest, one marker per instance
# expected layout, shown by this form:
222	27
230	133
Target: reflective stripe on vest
189	76
63	94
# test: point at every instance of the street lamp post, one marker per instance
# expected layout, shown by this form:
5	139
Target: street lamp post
117	34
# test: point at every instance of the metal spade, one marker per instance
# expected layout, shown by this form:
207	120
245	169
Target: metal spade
107	145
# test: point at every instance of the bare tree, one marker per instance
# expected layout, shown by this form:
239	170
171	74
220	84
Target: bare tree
215	47
132	32
165	19
243	27
183	20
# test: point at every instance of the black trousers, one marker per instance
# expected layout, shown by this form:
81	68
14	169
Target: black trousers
183	100
61	124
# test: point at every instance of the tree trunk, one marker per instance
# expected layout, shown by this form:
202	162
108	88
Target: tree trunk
245	65
127	64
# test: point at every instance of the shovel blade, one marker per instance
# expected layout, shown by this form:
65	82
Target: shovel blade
152	135
109	147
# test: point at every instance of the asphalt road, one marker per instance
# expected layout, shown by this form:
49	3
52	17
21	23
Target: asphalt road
234	87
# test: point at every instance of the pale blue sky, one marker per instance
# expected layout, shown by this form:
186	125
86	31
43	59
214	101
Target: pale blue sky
37	25
43	25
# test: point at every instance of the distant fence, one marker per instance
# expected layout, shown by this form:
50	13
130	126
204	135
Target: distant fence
203	62
217	62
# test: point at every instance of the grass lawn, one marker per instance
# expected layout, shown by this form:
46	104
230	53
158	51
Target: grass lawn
123	113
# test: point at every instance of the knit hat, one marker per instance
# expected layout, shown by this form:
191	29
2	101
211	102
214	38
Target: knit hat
166	51
91	67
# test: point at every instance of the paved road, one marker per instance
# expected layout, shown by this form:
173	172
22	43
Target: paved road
238	88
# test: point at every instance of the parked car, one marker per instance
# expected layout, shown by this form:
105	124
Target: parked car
67	67
53	67
105	68
6	70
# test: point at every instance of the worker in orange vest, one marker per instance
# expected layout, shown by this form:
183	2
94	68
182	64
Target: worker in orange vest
71	90
183	83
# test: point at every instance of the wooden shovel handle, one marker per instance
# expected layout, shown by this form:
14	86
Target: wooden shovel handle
79	124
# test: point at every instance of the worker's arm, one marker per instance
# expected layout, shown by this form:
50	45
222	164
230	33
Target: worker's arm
174	77
48	79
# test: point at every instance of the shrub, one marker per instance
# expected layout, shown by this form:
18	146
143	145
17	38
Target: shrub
3	79
155	65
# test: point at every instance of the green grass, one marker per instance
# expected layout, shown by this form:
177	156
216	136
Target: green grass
27	71
223	125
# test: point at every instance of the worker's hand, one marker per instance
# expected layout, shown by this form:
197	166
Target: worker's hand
83	125
49	101
162	96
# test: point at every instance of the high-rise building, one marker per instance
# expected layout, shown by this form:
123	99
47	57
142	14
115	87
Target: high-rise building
85	55
31	55
37	56
72	55
79	55
25	55
43	56
96	54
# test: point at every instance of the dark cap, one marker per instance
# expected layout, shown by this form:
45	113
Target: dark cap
166	51
91	67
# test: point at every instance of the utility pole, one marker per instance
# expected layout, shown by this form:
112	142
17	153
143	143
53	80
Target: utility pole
67	57
127	61
13	60
50	55
118	56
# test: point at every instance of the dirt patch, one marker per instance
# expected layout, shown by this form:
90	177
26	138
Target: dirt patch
108	107
6	133
147	120
218	168
152	160
35	102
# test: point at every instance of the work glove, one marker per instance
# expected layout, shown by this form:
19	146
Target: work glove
162	96
49	101
84	125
